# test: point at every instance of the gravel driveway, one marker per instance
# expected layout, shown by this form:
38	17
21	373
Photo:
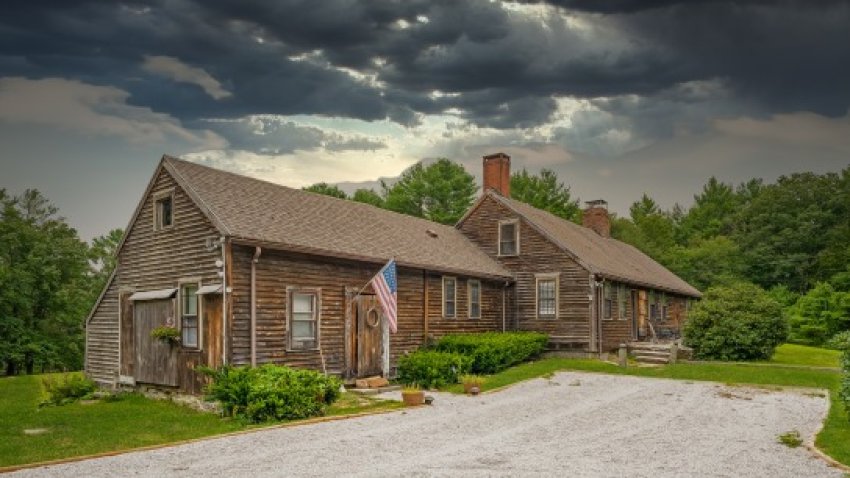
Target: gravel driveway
573	424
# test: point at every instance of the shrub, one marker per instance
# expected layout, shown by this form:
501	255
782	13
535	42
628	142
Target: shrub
839	341
739	322
432	369
492	352
819	315
271	392
166	334
67	388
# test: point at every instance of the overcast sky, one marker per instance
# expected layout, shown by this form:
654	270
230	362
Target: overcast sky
619	97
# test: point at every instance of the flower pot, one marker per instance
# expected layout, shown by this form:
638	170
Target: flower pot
413	398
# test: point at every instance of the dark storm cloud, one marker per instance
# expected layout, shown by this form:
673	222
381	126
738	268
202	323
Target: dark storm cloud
502	67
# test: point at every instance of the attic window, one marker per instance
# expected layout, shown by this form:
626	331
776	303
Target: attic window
164	212
509	238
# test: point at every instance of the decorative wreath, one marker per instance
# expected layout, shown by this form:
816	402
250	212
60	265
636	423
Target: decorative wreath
370	314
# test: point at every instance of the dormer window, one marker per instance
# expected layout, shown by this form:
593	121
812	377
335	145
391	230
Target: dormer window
509	237
163	212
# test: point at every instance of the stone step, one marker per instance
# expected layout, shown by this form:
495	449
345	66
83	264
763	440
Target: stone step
651	353
653	360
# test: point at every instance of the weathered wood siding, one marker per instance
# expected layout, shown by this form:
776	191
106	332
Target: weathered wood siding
102	338
536	255
277	270
617	330
151	260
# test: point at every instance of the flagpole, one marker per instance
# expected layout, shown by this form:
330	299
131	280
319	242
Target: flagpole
375	275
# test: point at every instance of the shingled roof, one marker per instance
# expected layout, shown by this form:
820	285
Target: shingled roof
256	211
605	256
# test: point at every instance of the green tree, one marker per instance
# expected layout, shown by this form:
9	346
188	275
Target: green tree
102	257
544	191
713	211
650	229
327	189
706	262
794	232
819	314
735	322
368	196
441	192
45	287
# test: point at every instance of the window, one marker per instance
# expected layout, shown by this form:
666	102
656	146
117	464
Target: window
303	319
607	302
653	306
662	307
621	301
189	315
474	299
547	296
509	238
449	296
163	212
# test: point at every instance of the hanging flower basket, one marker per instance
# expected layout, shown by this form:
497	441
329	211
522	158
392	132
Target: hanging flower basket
167	334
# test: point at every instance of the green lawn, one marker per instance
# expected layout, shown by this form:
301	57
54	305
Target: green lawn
134	421
834	439
791	354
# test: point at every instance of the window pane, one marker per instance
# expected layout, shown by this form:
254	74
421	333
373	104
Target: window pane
507	239
190	332
450	309
303	329
450	289
302	303
546	297
190	299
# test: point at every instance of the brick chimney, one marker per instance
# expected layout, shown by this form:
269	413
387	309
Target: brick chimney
497	173
595	217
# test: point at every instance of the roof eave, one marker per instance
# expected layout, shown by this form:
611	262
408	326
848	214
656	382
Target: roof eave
246	241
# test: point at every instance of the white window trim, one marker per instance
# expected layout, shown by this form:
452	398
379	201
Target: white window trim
443	297
180	283
157	197
547	276
469	298
516	224
317	292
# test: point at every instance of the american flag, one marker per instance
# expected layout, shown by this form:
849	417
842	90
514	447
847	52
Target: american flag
386	286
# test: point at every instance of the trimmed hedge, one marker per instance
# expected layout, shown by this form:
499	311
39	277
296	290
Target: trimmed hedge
492	352
432	369
271	392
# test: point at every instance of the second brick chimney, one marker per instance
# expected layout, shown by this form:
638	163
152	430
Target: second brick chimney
595	217
497	173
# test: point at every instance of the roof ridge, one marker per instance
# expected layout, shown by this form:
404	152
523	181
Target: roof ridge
303	191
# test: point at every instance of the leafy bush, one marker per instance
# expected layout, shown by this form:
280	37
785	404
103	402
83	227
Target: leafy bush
819	315
739	322
839	341
67	388
432	369
492	352
271	392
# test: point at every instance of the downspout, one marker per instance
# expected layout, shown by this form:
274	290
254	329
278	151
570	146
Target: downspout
254	260
222	244
504	305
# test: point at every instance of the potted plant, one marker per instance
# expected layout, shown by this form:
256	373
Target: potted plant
412	395
472	384
167	334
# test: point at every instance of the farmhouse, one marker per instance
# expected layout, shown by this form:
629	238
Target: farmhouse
249	272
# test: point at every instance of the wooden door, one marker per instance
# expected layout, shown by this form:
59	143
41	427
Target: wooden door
212	325
369	336
156	361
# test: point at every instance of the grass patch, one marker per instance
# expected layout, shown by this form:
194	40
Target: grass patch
790	439
834	438
133	421
792	354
